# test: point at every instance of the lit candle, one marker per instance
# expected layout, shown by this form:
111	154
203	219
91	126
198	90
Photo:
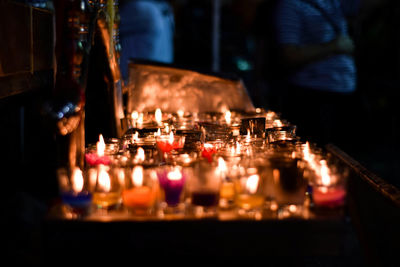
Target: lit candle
139	198
158	117
327	192
208	151
105	195
249	197
228	117
134	116
99	157
76	195
172	183
168	143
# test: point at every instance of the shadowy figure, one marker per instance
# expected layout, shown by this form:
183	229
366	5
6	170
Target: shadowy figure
146	32
315	65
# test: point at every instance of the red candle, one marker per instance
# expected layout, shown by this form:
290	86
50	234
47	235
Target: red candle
208	152
329	196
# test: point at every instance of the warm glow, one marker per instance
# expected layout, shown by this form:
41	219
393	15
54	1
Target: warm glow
140	119
208	146
306	152
166	129
158	116
137	176
77	180
104	180
277	123
101	146
158	133
135	115
135	137
180	113
252	183
325	177
222	165
175	175
228	117
248	135
171	138
121	177
140	156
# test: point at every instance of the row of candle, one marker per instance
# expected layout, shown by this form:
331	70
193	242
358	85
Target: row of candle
257	173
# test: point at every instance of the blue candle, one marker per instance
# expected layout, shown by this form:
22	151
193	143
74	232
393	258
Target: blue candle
77	200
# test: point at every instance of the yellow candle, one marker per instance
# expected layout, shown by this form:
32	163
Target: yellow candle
248	202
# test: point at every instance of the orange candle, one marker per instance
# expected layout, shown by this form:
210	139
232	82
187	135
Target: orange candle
141	197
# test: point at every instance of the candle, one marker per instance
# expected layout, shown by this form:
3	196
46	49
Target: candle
329	196
75	195
249	197
98	158
327	192
168	143
106	194
208	151
139	198
172	183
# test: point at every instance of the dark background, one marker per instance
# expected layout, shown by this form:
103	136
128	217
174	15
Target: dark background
28	146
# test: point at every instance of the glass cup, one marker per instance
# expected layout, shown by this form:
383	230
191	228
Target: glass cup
105	186
172	181
73	186
141	190
328	185
287	183
250	194
203	188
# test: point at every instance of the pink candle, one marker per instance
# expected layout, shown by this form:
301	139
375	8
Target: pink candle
329	196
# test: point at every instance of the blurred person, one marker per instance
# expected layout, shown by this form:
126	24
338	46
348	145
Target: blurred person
316	52
146	32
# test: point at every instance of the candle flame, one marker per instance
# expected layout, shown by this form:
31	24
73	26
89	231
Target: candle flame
171	138
248	135
121	177
222	165
137	176
252	183
158	133
135	115
140	119
140	156
104	180
175	175
228	117
325	177
77	180
135	137
277	123
180	113
158	116
101	146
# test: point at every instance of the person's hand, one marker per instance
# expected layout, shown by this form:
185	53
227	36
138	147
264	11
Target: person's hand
344	44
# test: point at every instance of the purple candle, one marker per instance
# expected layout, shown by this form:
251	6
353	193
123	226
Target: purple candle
172	183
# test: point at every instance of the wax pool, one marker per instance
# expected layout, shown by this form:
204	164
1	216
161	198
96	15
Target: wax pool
329	197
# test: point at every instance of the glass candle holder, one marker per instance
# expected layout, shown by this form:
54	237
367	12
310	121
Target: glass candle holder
105	186
140	193
250	194
288	182
203	189
328	186
281	135
168	143
172	181
73	186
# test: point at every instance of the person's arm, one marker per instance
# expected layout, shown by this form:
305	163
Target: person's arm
295	56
